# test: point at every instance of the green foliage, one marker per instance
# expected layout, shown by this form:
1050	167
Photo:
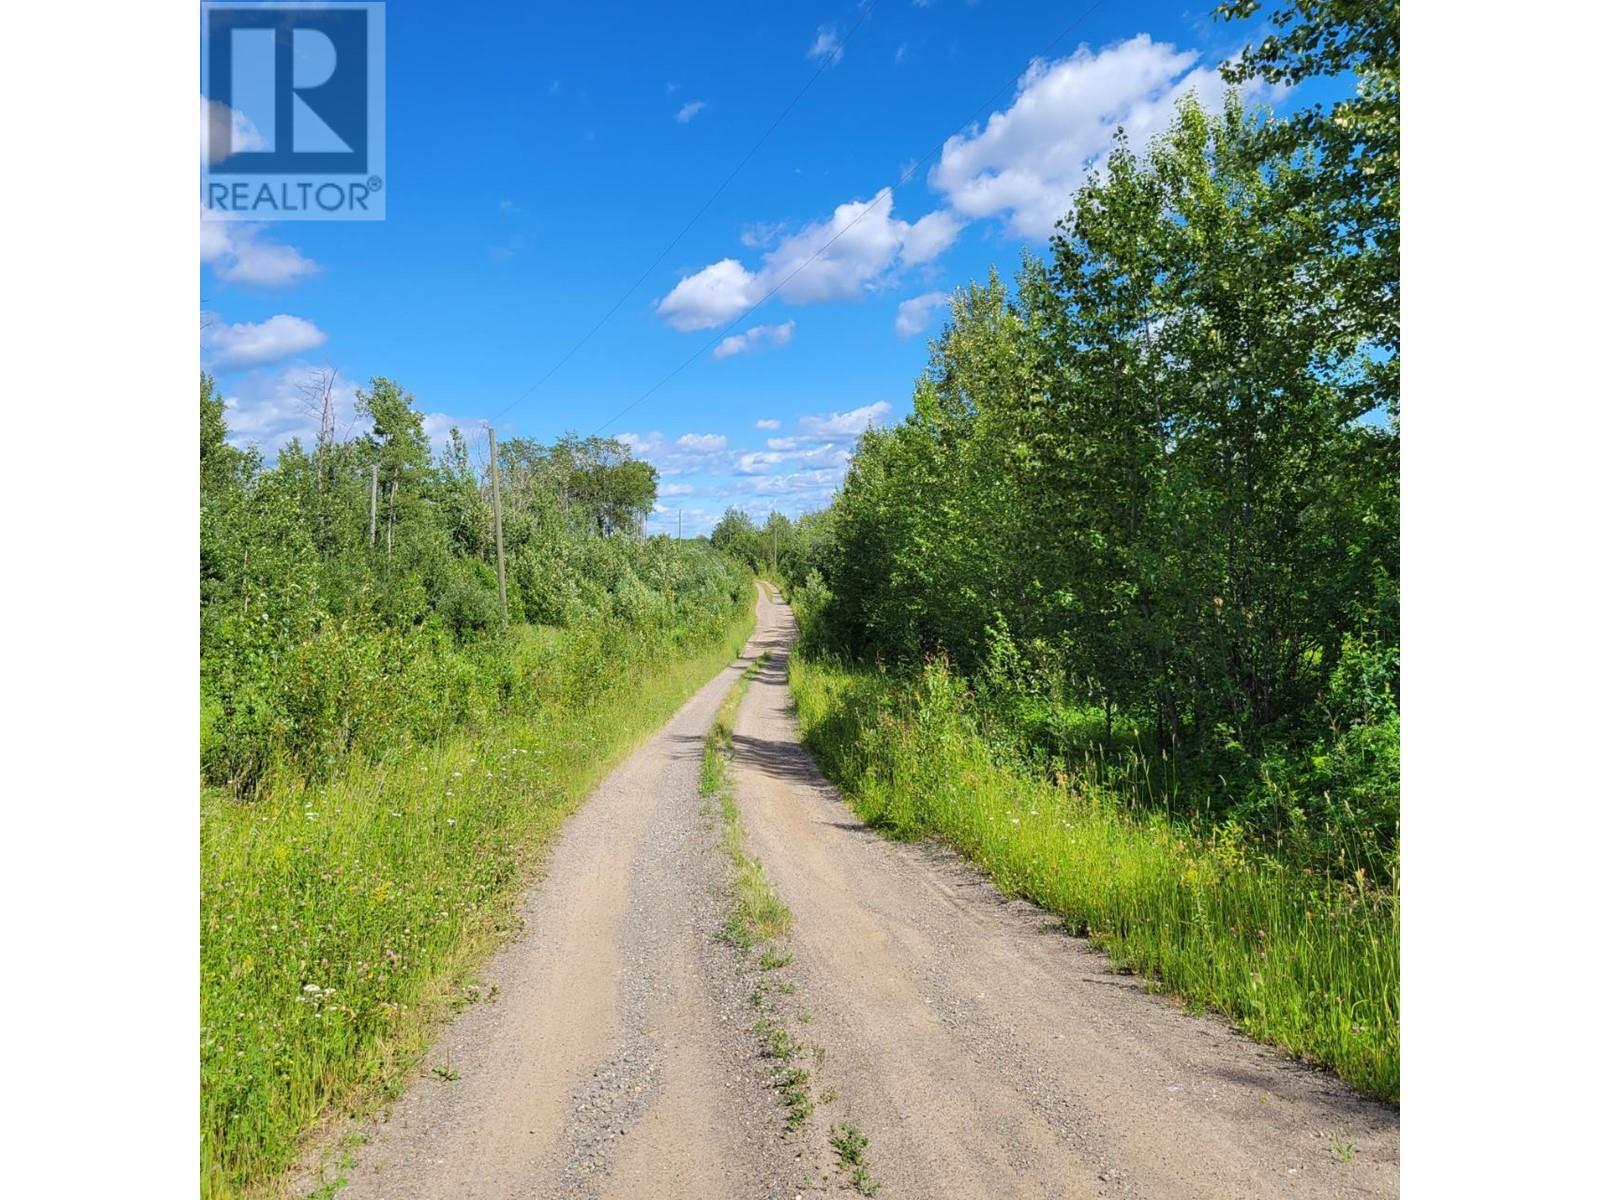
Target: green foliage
338	916
1143	500
1354	143
382	751
736	535
348	595
1127	576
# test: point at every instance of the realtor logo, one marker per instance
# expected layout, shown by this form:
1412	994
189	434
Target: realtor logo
293	122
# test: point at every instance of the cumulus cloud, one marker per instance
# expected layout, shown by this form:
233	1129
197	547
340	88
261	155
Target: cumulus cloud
1025	163
268	408
1022	166
913	315
253	343
690	454
846	424
851	252
792	474
711	296
242	133
827	49
690	111
757	337
237	253
703	441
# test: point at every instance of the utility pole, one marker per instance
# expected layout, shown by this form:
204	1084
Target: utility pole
372	520
499	541
680	524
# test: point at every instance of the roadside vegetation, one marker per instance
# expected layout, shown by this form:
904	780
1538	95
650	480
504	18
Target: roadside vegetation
1307	960
757	917
1115	610
383	756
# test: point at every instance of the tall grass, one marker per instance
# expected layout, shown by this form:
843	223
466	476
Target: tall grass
1308	962
339	918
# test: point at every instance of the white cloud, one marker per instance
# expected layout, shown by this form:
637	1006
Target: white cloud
690	454
761	234
913	315
757	337
930	237
267	408
757	461
242	133
855	250
690	111
1022	166
710	296
250	344
788	474
1026	162
237	253
822	456
703	441
852	250
827	49
846	424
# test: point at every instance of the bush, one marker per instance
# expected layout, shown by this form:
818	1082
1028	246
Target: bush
469	601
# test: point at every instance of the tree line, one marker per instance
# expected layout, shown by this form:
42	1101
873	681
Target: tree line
348	594
1158	477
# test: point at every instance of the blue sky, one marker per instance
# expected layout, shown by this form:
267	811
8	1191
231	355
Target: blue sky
541	157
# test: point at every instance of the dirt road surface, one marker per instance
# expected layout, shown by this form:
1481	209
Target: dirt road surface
982	1052
986	1054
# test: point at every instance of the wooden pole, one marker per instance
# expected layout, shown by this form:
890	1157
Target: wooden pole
499	540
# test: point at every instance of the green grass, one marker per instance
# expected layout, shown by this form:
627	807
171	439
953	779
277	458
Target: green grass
1310	963
340	920
850	1145
757	915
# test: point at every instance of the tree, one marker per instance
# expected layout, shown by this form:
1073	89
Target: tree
1354	146
736	535
1147	471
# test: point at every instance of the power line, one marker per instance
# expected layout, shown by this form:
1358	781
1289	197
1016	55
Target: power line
905	175
828	61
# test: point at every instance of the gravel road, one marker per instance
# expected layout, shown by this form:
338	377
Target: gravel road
615	1060
982	1052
